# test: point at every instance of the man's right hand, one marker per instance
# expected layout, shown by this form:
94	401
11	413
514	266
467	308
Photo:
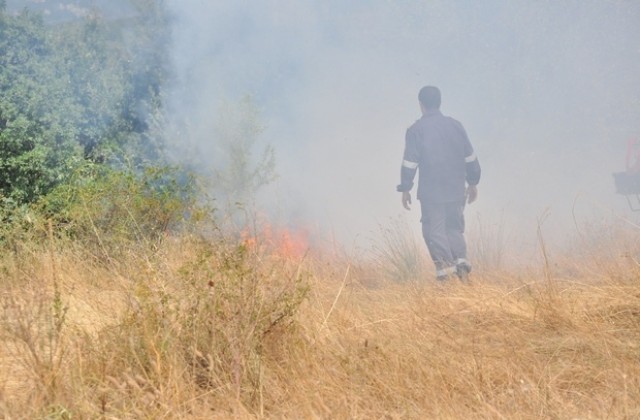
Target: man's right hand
406	200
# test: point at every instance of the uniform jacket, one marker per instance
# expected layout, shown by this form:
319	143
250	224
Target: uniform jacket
438	147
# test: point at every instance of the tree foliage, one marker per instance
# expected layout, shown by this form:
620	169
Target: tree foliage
72	92
88	93
37	130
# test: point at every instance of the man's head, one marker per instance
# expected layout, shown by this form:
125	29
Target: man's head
429	98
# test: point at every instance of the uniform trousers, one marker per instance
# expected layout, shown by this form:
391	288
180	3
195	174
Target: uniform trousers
443	232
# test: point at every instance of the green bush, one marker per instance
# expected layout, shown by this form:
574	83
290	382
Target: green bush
108	210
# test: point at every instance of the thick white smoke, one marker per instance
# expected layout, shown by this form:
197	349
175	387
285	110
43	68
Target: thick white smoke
548	92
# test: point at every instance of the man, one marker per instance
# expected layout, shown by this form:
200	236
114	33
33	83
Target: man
449	173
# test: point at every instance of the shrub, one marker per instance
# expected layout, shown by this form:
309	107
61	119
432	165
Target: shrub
239	302
108	210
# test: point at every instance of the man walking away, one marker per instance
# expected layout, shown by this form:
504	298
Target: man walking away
438	146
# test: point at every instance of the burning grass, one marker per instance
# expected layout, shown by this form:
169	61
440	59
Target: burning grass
215	329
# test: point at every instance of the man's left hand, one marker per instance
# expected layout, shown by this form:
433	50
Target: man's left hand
406	200
472	193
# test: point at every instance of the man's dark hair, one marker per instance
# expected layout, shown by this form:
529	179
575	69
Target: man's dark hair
429	97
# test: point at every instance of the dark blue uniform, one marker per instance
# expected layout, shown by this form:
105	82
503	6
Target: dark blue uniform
438	146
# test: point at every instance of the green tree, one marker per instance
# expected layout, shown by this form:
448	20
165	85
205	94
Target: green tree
37	114
239	172
80	90
97	82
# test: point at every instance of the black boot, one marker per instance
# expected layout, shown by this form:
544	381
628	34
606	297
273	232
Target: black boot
463	268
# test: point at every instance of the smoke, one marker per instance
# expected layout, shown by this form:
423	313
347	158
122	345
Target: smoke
548	92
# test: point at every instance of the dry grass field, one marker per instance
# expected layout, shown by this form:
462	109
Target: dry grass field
202	329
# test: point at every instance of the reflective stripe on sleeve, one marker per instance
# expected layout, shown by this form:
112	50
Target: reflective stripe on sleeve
470	158
409	164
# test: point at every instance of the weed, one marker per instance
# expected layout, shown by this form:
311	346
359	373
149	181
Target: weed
397	255
207	327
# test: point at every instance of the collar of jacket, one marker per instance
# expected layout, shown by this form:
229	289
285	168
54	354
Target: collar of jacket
431	113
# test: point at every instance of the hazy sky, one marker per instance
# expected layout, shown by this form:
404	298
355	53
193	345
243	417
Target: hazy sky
549	92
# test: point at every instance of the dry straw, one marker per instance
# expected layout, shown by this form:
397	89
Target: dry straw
199	328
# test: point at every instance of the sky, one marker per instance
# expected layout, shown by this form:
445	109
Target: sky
548	92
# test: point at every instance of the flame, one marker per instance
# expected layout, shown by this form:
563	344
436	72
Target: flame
279	241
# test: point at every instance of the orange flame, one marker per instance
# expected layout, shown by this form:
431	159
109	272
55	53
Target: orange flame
279	241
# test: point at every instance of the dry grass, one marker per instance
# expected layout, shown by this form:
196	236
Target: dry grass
199	330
